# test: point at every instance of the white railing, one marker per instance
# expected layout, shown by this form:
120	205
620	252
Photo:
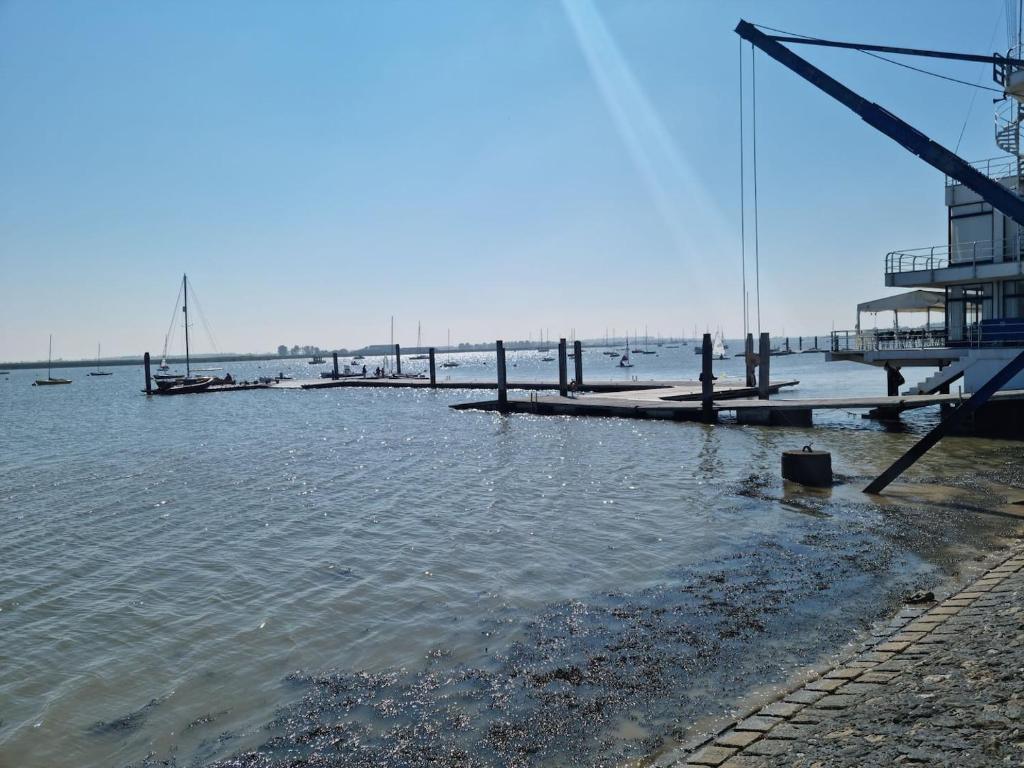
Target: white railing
876	339
942	256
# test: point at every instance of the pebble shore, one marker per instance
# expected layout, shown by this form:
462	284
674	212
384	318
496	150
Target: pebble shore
944	685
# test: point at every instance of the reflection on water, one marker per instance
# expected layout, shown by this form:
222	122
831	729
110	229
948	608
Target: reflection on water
367	577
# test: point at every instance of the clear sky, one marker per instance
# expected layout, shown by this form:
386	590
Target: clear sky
487	166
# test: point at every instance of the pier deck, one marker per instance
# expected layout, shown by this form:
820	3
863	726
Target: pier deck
680	403
682	388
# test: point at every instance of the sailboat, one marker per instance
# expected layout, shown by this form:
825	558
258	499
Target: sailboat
187	384
646	350
449	363
419	345
542	347
624	360
718	347
49	377
98	372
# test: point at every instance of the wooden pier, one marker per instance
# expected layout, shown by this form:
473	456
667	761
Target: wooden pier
535	386
683	403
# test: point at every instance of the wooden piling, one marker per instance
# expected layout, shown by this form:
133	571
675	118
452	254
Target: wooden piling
707	381
398	360
800	343
563	370
499	346
149	381
893	380
335	374
433	369
748	360
764	354
577	348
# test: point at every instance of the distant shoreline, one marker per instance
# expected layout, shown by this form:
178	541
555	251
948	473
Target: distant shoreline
175	360
375	350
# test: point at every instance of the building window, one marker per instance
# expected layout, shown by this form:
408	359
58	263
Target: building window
966	307
1013	299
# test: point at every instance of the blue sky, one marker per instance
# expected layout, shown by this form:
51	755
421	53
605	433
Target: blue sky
487	166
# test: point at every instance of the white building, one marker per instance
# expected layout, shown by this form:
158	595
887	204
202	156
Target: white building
969	289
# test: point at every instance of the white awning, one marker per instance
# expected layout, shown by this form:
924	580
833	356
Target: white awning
911	301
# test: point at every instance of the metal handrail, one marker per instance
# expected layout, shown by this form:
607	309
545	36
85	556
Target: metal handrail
958	254
1000	167
879	339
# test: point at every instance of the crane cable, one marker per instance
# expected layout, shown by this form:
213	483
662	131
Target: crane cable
753	124
890	61
743	208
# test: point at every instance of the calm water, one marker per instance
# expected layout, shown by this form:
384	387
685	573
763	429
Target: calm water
370	578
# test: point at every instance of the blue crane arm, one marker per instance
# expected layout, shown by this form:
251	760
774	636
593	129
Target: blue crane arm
904	134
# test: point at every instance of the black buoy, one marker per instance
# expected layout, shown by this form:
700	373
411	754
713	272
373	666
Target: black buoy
808	467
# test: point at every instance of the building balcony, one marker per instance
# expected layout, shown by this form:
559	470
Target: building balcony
889	339
940	265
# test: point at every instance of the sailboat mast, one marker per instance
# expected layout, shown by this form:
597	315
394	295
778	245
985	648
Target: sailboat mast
184	286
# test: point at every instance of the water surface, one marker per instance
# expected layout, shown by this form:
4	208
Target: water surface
366	577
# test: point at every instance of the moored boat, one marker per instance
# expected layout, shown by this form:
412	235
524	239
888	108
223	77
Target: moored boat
99	371
50	380
175	383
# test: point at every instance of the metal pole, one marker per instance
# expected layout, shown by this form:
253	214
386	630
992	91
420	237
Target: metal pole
502	380
563	372
764	354
433	369
577	348
184	287
149	381
707	381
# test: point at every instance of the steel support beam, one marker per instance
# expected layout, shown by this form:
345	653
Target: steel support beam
976	400
904	134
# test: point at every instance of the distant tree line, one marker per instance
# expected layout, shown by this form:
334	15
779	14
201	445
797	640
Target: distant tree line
297	350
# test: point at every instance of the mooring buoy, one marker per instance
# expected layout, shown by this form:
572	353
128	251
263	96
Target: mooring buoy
808	467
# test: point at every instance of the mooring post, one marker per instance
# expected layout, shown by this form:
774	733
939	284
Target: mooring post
398	360
563	370
787	345
748	360
335	376
893	380
764	354
577	348
433	370
499	347
149	381
800	343
707	381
